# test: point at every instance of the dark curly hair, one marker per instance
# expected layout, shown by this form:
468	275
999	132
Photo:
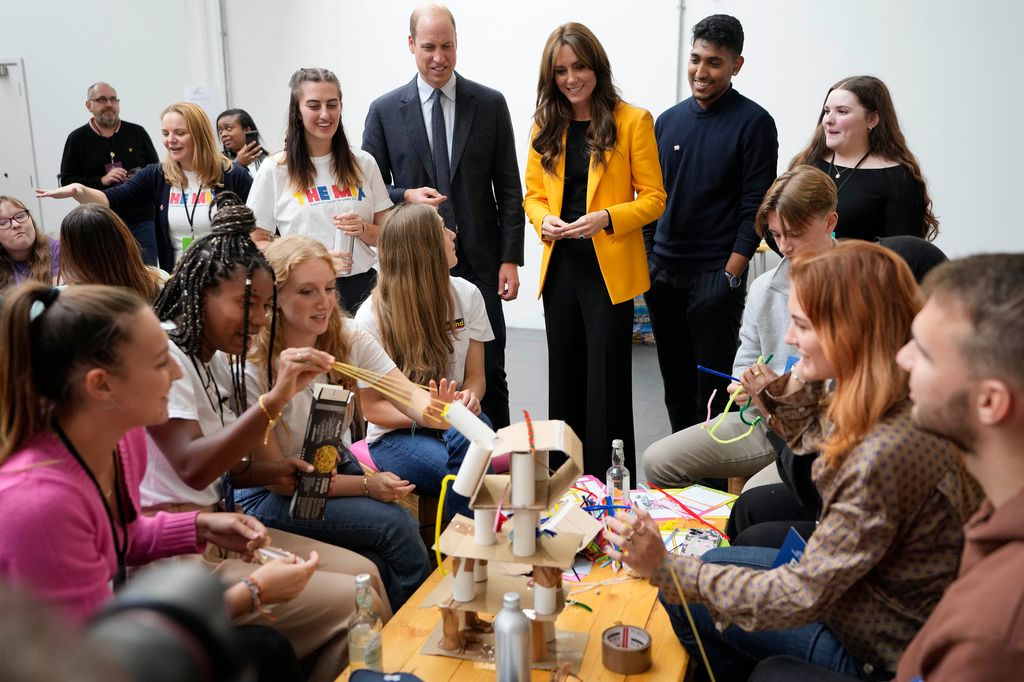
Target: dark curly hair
211	259
722	30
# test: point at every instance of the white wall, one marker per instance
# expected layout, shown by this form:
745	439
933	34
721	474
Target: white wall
951	68
69	44
365	44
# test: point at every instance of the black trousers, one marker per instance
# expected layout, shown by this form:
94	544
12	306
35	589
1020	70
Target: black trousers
495	400
695	318
354	289
762	517
590	367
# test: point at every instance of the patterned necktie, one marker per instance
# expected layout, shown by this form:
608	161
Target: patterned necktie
442	166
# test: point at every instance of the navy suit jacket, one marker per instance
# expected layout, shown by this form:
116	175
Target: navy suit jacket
486	189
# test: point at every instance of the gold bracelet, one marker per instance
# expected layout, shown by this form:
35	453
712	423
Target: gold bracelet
366	489
271	421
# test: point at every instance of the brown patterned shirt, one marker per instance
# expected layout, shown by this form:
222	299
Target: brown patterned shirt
887	544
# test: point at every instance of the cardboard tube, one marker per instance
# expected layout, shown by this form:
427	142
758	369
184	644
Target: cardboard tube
472	471
538	645
483	526
480	571
524	533
523	478
544	599
463	585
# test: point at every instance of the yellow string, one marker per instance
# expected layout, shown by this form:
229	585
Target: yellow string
689	617
437	524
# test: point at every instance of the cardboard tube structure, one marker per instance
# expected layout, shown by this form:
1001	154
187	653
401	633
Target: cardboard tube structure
483	526
523	477
524	533
481	442
463	584
480	571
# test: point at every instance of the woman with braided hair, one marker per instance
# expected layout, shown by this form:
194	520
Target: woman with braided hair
221	294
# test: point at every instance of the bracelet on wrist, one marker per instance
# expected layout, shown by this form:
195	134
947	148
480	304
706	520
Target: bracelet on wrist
256	592
271	420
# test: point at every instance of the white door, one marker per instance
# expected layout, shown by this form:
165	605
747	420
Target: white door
18	177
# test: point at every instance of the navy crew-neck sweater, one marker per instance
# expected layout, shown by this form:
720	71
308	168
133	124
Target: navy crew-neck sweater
717	165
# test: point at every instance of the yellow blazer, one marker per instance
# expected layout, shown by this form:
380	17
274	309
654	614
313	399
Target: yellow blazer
629	185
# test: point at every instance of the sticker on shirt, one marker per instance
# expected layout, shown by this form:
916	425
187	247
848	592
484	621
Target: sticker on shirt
459	323
328	194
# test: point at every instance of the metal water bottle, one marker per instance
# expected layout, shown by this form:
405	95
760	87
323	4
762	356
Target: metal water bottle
617	479
512	641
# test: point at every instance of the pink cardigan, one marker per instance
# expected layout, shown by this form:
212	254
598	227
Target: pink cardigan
54	533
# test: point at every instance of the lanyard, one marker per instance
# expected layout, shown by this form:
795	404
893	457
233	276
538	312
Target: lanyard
120	547
195	206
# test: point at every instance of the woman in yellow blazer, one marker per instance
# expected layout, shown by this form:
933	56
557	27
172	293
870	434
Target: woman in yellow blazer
592	182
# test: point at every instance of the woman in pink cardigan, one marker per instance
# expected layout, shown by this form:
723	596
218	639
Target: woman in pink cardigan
81	371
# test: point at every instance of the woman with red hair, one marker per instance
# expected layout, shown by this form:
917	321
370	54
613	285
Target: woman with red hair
894	498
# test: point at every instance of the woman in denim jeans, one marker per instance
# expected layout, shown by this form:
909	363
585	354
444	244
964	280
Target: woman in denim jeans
361	515
434	327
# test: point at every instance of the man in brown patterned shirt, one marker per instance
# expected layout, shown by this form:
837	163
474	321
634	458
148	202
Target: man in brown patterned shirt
889	537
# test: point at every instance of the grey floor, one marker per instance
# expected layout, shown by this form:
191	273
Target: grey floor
526	364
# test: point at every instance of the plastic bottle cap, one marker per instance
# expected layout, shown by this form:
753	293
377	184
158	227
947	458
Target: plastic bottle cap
363	580
617	443
511	600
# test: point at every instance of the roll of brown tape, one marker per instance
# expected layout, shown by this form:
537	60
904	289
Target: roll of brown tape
626	649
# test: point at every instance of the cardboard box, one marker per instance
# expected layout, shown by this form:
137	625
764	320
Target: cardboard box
329	420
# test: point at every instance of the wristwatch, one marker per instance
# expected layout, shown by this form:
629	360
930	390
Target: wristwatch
734	280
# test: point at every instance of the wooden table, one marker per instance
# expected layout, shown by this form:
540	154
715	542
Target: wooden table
632	603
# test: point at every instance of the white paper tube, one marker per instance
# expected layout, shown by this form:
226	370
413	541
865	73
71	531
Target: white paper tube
472	471
544	599
524	533
470	425
480	571
463	584
522	479
483	526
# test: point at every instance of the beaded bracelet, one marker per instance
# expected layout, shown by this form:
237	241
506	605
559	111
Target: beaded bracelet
256	592
271	421
366	488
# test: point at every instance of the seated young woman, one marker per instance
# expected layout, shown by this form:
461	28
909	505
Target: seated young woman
219	296
894	498
360	514
98	248
433	326
81	371
26	253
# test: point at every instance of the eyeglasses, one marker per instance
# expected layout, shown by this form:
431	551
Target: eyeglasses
19	218
105	100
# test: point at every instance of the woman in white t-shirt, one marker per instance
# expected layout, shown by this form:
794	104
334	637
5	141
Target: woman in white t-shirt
433	326
360	514
320	187
181	187
218	298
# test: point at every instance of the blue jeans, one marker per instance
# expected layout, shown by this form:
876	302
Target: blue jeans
734	652
382	532
424	458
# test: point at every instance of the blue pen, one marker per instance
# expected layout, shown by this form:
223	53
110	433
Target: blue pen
717	373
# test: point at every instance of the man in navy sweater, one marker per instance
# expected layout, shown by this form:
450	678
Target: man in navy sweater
718	153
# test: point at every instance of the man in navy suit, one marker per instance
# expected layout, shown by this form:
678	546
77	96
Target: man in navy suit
468	172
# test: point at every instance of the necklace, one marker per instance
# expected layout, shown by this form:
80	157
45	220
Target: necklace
208	382
120	546
835	169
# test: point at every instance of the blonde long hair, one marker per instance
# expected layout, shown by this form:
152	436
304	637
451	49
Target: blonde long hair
861	299
208	162
284	255
413	300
